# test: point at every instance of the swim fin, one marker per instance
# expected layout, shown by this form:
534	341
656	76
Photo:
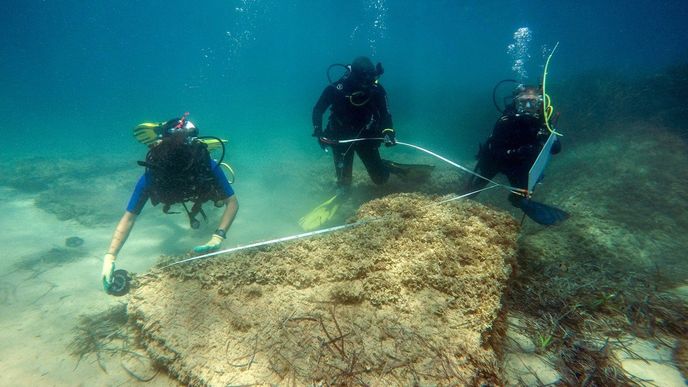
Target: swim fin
147	132
320	214
542	213
409	171
213	143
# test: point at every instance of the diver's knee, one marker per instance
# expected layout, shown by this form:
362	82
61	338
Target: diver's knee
343	178
379	179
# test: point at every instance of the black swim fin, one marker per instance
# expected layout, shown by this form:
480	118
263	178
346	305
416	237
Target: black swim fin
409	171
542	213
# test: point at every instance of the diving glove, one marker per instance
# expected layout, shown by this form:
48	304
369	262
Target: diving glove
389	137
108	269
213	244
323	144
318	133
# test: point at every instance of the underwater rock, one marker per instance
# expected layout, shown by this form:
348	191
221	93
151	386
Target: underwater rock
632	213
413	296
45	260
74	241
618	259
84	190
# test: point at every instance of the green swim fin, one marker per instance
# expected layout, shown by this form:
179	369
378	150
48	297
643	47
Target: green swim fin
148	132
320	214
415	172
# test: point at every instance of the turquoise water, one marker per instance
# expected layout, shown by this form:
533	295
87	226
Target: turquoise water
78	76
81	75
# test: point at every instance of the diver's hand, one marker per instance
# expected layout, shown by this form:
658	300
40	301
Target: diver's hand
322	141
326	142
108	269
389	137
213	244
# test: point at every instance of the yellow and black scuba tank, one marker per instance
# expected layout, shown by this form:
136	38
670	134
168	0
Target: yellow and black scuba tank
178	165
152	133
179	172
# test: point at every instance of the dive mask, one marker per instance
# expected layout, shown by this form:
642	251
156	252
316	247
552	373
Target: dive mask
529	104
182	126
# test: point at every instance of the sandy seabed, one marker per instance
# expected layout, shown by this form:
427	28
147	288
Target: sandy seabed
39	308
40	303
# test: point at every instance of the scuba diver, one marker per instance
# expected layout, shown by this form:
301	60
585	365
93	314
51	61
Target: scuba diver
513	147
358	111
179	169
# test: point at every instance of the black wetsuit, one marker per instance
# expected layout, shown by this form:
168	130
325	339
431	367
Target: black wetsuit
354	113
512	148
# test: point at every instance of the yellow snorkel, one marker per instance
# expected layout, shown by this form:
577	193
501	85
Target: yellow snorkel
547	107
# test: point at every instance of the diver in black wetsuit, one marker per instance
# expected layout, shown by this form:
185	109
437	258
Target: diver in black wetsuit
359	110
512	148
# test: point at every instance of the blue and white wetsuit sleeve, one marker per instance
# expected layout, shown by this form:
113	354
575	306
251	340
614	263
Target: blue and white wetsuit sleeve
221	178
139	196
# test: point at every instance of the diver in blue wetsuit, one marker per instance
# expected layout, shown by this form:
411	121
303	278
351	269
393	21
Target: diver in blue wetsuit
515	143
179	169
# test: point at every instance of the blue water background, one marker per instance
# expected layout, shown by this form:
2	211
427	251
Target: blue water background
77	76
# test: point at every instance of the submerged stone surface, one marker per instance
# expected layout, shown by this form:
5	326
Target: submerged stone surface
412	296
